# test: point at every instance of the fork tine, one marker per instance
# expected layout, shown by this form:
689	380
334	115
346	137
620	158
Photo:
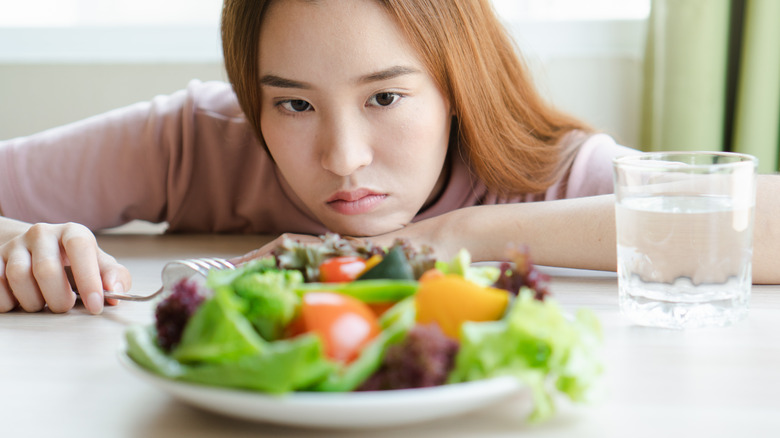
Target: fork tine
170	274
203	266
211	263
216	263
222	264
186	263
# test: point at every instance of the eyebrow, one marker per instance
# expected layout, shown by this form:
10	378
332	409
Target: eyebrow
389	73
280	82
382	75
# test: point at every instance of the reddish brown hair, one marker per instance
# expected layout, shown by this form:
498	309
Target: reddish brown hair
509	133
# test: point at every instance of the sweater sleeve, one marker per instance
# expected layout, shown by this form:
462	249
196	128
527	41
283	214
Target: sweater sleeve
591	171
189	159
100	172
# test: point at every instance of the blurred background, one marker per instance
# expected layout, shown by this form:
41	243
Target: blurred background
64	60
656	74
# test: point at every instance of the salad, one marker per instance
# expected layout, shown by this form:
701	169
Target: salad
345	315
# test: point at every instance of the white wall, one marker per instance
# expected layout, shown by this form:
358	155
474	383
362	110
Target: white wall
34	97
52	77
592	69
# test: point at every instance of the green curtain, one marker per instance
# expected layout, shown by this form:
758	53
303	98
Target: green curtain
712	77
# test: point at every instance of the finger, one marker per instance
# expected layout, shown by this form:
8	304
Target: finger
116	277
49	273
72	281
7	300
251	255
18	272
261	252
268	248
81	250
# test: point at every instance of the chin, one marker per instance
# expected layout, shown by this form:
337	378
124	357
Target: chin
365	228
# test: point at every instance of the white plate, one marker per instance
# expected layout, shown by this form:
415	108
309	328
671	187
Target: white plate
349	410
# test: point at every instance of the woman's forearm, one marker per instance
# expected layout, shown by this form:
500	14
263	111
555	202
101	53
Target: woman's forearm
766	235
576	233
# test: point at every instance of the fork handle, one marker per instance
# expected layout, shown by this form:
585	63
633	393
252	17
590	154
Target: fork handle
129	297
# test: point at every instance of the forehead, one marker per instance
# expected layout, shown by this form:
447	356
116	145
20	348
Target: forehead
314	37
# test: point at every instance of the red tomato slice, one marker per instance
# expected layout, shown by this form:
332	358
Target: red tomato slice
380	308
344	323
341	269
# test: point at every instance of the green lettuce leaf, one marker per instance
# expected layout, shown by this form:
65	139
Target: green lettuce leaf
536	343
264	294
142	347
461	265
367	291
225	277
281	367
218	332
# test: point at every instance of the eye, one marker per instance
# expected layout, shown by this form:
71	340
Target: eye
295	105
384	99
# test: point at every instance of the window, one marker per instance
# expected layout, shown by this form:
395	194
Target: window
554	10
87	13
71	13
188	30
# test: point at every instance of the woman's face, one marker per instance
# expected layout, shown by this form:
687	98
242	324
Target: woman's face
353	120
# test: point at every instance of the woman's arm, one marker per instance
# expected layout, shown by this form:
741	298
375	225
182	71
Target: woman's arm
56	183
766	232
575	233
96	173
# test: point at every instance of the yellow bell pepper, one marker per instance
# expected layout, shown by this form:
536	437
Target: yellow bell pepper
450	300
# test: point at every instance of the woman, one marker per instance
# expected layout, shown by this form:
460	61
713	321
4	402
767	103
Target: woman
377	119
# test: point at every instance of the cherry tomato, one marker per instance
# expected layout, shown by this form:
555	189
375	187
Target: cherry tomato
380	308
344	323
341	269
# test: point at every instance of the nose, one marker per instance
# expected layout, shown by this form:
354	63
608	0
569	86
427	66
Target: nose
344	145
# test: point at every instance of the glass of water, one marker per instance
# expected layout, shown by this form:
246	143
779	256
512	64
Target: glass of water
685	237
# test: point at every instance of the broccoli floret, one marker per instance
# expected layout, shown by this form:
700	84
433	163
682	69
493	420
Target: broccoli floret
269	301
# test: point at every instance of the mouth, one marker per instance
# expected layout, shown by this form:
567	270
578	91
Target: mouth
353	202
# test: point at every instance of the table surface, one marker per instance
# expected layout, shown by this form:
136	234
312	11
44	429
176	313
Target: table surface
60	375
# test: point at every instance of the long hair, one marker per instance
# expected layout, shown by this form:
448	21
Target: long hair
509	134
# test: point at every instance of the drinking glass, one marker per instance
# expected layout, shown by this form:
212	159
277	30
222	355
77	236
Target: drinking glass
684	237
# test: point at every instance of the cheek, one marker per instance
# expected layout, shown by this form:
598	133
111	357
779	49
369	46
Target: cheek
285	144
425	135
272	132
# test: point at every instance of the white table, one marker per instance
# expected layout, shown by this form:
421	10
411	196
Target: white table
60	376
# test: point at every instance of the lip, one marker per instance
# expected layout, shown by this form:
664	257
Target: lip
353	202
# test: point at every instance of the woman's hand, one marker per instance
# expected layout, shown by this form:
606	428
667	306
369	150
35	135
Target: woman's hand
32	269
418	234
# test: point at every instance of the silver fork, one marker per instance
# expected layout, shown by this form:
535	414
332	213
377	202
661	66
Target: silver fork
175	271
